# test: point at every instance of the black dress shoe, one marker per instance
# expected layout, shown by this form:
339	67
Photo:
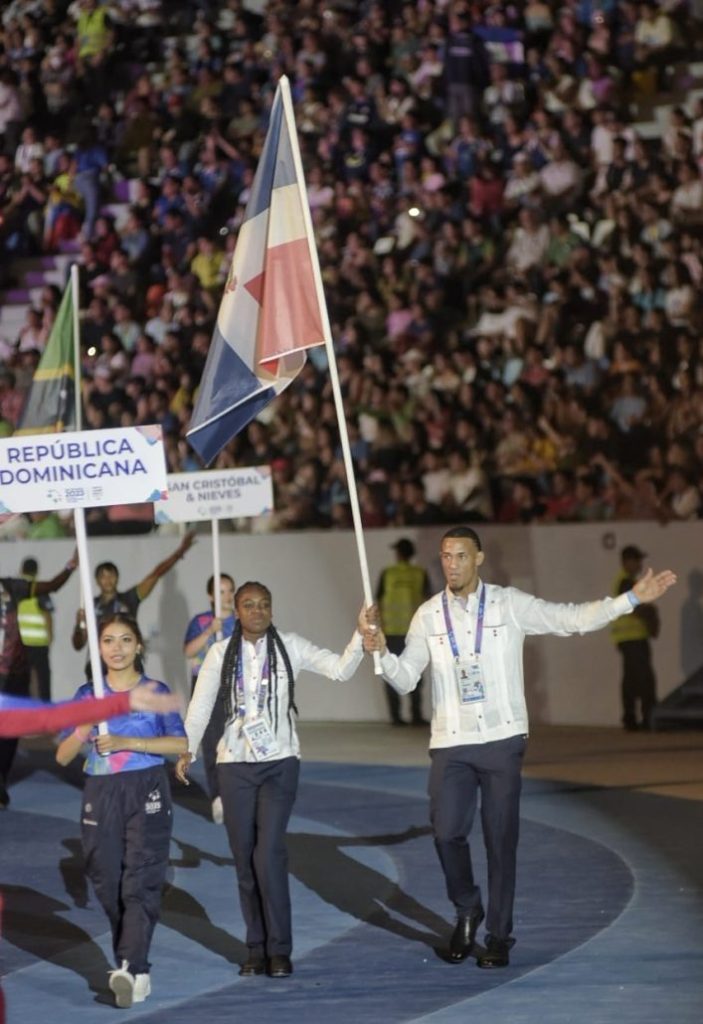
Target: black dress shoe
464	936
497	953
252	965
280	967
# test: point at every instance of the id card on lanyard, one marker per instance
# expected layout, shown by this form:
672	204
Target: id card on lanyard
262	743
467	671
257	731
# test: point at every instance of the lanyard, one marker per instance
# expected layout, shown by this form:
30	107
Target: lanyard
241	711
479	623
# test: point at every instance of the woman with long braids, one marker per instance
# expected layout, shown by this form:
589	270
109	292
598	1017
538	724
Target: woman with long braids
126	817
258	759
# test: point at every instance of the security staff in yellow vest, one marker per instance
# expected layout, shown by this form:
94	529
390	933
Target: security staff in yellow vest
36	629
94	32
402	588
95	46
631	634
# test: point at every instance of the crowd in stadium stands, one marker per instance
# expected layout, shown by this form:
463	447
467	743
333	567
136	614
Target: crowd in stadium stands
513	274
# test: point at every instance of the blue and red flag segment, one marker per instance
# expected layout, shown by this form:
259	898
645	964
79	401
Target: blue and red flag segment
12	702
273	309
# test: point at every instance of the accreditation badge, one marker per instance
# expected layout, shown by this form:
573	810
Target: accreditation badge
261	740
469	680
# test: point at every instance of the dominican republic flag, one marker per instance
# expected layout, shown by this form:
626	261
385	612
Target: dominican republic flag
273	306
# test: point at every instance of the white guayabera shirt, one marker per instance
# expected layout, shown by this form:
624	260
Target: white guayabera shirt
510	615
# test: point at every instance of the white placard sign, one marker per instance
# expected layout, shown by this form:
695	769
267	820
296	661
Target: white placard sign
216	494
82	469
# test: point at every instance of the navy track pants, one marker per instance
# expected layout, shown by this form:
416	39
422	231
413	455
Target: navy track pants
126	824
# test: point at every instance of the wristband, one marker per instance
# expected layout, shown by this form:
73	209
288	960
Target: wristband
633	598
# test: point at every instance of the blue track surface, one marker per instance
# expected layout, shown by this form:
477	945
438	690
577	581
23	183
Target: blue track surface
608	917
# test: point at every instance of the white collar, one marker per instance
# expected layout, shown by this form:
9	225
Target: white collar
470	600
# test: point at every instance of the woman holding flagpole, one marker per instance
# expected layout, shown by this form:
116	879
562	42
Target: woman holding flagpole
258	759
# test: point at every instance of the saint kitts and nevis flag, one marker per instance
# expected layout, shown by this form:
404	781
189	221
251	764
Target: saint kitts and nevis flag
51	405
271	310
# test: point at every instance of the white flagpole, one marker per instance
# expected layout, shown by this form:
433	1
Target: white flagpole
90	619
91	624
75	300
215	524
284	86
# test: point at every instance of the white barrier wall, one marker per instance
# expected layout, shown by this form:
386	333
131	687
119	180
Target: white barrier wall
317	592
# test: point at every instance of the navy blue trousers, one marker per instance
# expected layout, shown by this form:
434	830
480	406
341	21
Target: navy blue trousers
38	658
126	824
639	684
457	776
257	801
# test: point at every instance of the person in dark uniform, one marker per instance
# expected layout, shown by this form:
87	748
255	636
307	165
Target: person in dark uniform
126	818
110	600
631	635
202	632
259	760
472	635
402	587
14	664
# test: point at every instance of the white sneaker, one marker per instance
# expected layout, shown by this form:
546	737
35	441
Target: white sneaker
218	813
142	988
121	983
